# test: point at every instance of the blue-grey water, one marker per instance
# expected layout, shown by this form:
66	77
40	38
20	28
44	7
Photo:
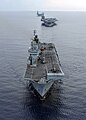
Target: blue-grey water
66	101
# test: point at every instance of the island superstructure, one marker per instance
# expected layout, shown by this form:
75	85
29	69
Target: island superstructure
43	66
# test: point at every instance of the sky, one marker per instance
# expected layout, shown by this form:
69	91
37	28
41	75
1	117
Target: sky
43	5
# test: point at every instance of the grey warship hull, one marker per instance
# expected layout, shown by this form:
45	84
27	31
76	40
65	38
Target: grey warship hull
44	72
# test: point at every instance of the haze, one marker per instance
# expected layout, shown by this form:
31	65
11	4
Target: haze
43	5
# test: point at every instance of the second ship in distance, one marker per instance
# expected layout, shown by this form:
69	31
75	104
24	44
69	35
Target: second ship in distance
47	22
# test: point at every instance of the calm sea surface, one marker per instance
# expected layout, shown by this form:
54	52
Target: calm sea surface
66	101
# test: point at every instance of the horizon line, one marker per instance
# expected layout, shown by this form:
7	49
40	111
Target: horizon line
42	10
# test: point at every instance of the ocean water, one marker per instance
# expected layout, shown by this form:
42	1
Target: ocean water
67	100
